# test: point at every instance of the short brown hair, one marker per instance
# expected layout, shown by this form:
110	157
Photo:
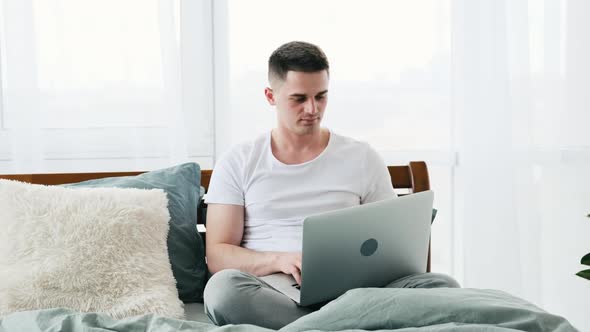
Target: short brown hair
296	56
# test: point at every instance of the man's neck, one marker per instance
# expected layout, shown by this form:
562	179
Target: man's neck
284	140
294	149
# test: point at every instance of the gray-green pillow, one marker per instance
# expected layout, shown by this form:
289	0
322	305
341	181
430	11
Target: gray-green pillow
186	250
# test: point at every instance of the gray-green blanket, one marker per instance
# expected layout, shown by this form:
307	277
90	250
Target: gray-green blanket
374	309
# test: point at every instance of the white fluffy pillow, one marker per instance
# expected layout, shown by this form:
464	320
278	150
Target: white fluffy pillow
89	249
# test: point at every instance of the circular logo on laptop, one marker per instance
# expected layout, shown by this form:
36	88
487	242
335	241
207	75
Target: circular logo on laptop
369	247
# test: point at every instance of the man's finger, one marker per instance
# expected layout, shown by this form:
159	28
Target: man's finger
298	262
297	276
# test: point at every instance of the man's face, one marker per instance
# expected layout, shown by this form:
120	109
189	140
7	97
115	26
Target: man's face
300	101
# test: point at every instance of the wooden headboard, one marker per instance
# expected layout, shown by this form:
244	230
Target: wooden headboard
413	177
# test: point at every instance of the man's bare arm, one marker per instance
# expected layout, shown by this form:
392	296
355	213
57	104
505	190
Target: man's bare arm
225	228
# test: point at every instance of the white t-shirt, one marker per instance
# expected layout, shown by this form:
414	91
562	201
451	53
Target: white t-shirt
277	197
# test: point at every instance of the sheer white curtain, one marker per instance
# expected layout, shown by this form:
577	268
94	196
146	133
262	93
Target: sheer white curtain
520	109
90	85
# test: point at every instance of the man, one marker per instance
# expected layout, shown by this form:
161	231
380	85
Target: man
261	191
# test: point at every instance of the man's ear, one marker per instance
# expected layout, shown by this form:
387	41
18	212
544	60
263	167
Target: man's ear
269	94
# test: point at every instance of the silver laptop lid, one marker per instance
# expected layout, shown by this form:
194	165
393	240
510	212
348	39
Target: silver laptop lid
364	246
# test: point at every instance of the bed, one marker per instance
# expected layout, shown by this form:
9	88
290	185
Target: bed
361	309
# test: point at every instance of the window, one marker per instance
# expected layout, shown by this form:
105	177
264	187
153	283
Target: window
99	85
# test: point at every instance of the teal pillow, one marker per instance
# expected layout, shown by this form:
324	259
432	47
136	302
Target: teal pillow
186	250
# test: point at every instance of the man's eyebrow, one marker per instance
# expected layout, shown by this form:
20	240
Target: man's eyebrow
299	95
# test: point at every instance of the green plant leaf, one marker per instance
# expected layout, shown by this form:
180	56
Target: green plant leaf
586	259
584	274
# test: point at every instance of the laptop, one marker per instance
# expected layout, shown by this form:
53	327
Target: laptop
369	245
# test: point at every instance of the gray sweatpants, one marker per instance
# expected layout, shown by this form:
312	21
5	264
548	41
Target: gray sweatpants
236	297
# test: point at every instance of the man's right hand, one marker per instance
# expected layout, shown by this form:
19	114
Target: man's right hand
225	228
290	263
